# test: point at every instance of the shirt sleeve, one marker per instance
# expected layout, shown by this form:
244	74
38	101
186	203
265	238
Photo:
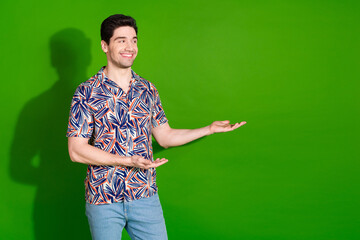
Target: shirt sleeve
81	122
158	115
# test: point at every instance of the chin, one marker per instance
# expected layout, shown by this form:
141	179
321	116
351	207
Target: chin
126	66
120	65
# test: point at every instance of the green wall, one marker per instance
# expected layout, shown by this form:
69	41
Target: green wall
288	68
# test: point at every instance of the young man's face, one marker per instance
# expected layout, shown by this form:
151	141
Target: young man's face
122	48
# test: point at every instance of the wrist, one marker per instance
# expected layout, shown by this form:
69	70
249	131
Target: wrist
122	161
208	130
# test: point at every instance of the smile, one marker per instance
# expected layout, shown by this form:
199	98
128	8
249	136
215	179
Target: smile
127	55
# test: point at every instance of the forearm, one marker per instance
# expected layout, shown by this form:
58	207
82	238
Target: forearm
169	137
80	151
177	137
87	154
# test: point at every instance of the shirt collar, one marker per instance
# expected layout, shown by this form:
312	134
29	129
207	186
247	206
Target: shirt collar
103	77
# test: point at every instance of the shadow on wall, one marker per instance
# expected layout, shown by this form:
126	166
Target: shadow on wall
59	207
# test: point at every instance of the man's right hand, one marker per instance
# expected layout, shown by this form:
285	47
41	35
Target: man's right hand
140	162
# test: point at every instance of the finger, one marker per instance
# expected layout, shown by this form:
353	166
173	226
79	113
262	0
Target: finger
163	159
231	127
160	159
237	125
162	162
242	123
144	162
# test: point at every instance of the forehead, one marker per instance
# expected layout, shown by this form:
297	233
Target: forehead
124	31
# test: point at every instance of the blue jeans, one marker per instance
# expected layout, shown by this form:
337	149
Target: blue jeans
142	219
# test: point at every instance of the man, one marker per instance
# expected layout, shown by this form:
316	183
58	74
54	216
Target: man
112	118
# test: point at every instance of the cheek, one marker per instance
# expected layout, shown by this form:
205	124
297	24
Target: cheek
116	50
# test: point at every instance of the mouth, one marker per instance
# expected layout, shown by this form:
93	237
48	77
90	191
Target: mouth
127	55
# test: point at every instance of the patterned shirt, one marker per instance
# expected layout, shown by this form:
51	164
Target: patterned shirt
119	123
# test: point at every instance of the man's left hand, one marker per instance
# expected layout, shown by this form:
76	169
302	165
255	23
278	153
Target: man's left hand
224	126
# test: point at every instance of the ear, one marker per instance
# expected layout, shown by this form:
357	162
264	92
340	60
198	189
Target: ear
104	46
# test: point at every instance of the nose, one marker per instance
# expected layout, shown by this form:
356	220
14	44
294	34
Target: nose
129	46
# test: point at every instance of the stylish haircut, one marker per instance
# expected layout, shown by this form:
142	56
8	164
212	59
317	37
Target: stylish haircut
113	22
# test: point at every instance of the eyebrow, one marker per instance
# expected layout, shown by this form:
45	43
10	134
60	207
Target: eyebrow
123	38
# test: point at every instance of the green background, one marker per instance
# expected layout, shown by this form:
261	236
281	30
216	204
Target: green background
288	68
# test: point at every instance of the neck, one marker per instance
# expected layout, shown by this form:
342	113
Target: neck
120	76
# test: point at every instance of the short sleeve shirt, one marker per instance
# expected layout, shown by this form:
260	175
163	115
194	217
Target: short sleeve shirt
119	123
